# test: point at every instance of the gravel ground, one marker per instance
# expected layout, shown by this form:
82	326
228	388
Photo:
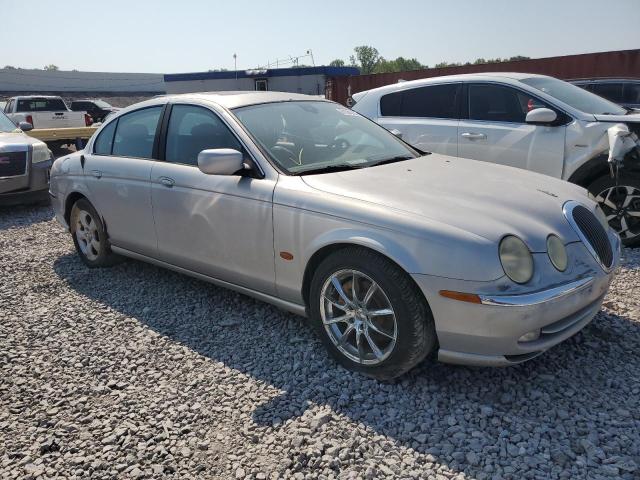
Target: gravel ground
139	372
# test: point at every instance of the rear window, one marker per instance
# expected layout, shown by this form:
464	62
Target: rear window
632	93
434	101
610	91
41	105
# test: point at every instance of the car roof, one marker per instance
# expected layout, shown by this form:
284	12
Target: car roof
37	96
465	77
235	99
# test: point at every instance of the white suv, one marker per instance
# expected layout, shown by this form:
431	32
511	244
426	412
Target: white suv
528	121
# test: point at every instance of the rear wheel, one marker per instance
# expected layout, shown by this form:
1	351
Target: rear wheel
89	236
369	314
621	205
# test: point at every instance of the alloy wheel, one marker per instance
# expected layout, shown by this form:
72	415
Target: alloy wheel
87	235
621	206
358	317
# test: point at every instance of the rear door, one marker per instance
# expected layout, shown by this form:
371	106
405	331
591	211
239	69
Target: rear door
217	225
426	116
494	130
118	172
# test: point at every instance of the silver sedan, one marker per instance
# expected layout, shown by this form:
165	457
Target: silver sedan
390	252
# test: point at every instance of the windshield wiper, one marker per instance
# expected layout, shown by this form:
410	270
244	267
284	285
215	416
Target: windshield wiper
341	167
397	158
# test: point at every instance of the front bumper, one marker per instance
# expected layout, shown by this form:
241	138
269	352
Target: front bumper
488	334
35	192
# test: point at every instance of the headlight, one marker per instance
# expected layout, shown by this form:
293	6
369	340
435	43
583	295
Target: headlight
557	253
41	153
516	259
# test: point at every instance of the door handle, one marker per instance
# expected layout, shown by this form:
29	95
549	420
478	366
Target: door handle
96	173
474	136
167	182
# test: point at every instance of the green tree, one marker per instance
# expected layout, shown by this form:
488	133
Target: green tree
51	67
367	58
337	63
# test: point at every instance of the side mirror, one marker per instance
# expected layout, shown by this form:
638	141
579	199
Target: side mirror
396	132
220	161
25	126
541	116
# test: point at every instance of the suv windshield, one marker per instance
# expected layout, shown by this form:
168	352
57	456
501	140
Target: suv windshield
314	136
574	96
6	125
41	105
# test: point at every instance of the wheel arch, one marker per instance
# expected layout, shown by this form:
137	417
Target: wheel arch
71	199
327	249
588	172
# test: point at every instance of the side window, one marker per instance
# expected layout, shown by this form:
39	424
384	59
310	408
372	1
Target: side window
632	93
610	91
104	142
193	129
496	103
435	101
136	132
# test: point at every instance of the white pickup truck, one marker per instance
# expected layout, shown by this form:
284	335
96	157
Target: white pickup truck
46	112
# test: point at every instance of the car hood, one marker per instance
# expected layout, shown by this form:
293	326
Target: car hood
16	138
631	117
481	198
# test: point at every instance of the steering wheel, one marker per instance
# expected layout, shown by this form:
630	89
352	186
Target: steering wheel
285	155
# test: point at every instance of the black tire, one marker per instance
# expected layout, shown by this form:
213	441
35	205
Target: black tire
91	256
415	333
627	191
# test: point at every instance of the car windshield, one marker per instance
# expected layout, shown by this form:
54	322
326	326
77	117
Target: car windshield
102	104
6	125
574	96
305	137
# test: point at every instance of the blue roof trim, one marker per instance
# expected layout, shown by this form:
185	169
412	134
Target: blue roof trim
273	72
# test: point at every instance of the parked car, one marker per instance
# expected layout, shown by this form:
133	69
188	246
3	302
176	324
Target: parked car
623	91
534	122
308	205
24	165
44	112
98	109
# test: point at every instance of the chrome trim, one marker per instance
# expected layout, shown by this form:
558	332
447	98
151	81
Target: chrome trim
567	210
536	298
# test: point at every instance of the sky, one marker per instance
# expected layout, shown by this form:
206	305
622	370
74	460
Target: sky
171	36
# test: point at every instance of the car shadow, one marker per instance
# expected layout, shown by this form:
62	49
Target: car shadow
525	414
19	216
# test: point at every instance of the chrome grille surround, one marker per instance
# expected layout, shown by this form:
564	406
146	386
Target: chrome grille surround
592	234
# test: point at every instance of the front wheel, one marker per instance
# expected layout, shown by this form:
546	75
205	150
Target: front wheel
621	205
369	314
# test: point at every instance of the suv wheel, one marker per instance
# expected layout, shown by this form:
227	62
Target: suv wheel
369	314
89	236
621	205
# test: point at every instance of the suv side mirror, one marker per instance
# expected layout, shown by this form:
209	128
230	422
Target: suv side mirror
220	161
25	126
396	132
541	116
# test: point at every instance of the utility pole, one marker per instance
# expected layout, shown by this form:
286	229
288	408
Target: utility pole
235	67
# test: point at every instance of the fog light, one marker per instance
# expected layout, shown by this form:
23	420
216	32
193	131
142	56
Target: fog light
530	336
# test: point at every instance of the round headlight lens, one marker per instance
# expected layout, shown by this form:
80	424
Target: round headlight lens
516	259
557	253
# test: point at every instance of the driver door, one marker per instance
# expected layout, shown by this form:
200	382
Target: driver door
217	225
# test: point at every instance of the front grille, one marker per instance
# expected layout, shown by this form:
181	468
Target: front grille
13	164
594	234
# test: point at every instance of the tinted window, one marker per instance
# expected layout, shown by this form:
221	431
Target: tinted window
574	96
632	93
610	91
193	129
104	142
41	105
436	101
498	104
135	133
